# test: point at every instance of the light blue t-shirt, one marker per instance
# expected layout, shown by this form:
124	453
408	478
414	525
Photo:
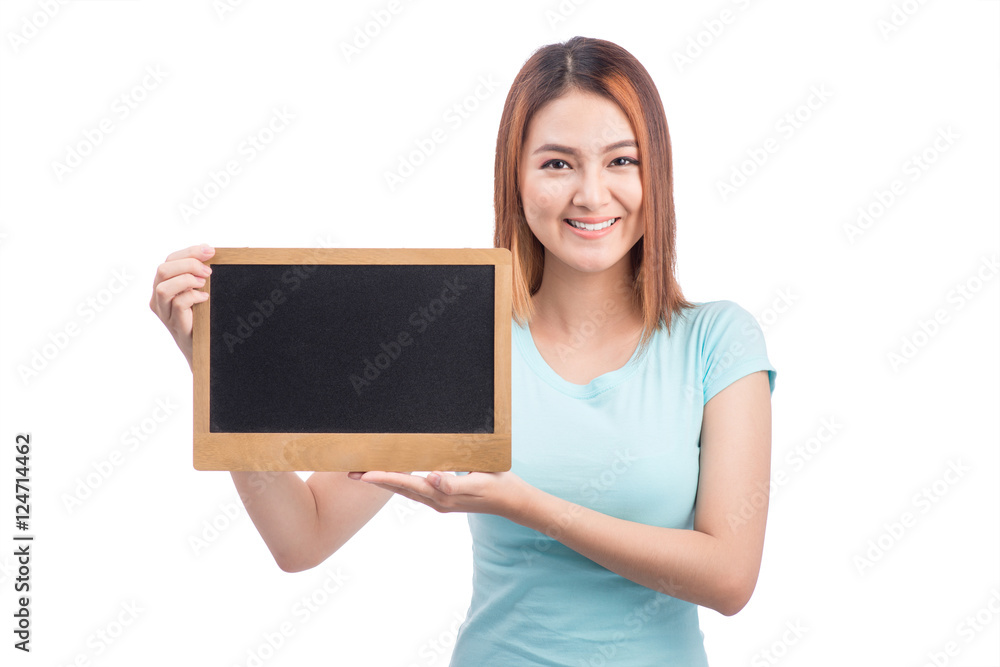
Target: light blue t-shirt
627	445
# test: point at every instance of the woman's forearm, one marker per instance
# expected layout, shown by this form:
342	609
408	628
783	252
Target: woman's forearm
283	508
686	564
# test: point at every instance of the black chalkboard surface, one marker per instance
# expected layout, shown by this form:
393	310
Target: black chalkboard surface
354	359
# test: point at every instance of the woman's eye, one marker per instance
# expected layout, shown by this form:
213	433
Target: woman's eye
622	161
555	164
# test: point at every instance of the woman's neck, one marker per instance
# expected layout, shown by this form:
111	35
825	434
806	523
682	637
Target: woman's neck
569	302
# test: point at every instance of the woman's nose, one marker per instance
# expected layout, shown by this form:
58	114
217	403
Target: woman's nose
591	192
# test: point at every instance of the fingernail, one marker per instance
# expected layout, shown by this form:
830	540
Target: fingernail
354	475
434	479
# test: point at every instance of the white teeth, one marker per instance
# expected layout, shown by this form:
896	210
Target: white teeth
592	228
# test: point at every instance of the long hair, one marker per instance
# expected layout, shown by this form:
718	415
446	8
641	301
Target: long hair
604	68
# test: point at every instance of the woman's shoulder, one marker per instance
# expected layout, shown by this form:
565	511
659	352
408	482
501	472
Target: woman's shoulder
704	315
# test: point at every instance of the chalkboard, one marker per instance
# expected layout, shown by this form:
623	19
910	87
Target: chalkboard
353	359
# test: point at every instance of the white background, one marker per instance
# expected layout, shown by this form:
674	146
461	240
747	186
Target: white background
834	305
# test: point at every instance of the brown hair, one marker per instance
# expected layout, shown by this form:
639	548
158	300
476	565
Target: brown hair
604	68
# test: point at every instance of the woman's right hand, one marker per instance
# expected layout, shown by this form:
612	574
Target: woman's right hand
302	521
176	290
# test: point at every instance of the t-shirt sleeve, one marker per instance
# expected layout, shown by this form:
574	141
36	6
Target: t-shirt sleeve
732	347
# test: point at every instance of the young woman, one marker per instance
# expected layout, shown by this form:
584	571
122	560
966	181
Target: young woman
641	421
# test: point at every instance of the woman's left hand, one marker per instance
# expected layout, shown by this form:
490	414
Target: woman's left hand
501	493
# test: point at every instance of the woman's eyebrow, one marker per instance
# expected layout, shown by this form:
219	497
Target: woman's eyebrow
557	148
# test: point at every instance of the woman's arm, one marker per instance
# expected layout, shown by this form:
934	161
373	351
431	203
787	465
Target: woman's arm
302	522
715	565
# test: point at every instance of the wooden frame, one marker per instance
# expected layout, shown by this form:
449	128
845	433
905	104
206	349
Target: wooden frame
488	452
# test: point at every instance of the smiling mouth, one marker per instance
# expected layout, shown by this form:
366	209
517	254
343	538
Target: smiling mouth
591	227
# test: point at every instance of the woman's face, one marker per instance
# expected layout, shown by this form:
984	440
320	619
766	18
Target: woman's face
580	168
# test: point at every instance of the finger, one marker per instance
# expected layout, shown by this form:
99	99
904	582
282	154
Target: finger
412	483
356	474
386	477
185	300
406	493
179	267
200	252
165	291
450	484
438	480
